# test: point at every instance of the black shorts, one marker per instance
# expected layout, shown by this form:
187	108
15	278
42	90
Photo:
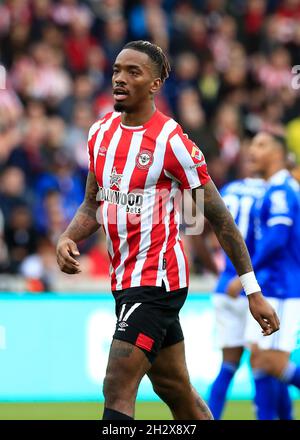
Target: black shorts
147	317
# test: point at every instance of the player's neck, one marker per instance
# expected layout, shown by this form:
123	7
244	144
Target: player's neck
273	169
138	117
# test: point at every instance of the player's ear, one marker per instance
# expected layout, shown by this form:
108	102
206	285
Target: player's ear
156	85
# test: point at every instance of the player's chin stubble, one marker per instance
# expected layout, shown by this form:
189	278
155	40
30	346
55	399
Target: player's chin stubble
119	107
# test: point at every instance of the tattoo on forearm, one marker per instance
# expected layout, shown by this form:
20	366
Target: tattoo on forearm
85	222
226	230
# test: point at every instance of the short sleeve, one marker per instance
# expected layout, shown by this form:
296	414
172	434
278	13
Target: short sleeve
90	156
185	162
90	144
280	204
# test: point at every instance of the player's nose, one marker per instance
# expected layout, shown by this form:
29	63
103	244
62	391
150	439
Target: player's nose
120	79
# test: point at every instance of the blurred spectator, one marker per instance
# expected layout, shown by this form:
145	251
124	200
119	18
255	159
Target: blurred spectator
114	37
40	268
231	77
228	132
192	118
79	42
13	191
20	236
4	261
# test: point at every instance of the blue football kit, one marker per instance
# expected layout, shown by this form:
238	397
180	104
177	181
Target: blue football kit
240	198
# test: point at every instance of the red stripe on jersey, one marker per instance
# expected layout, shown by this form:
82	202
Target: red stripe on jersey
158	236
103	148
93	133
187	151
134	231
112	212
172	271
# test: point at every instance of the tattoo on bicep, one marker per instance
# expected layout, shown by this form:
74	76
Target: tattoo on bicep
91	190
85	221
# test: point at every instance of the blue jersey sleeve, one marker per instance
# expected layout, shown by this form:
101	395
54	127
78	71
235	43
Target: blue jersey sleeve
276	220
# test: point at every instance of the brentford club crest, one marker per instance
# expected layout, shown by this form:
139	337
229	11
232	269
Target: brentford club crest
144	159
115	178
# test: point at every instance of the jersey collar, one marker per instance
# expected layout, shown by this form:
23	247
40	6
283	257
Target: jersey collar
279	177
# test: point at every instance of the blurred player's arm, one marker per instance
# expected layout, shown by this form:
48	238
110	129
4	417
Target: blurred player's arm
278	226
275	237
81	227
274	240
233	244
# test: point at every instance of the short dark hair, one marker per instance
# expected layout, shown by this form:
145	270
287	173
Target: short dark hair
280	140
155	53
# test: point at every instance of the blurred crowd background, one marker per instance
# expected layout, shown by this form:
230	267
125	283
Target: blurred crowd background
231	77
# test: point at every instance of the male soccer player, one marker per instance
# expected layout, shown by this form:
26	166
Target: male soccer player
240	197
135	154
277	263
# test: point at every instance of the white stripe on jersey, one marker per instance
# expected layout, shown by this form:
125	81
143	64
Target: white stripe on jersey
146	216
129	167
280	220
110	155
183	157
104	127
181	265
108	239
169	206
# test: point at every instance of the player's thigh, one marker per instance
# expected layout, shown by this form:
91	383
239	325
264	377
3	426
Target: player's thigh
231	317
127	365
145	324
169	371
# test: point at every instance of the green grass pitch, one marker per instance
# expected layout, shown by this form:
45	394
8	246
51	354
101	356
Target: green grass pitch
235	410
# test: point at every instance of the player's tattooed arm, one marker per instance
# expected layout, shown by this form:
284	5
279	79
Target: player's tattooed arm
82	226
85	222
225	228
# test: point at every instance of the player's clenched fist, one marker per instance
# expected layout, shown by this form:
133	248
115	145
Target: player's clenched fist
66	251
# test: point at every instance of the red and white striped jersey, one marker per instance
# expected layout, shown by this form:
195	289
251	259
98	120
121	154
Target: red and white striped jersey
139	170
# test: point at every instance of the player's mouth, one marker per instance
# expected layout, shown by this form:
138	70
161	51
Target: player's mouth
120	94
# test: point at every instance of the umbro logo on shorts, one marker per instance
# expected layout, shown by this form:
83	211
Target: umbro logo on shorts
122	325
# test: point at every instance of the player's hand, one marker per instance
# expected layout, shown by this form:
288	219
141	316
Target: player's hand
234	288
264	313
66	251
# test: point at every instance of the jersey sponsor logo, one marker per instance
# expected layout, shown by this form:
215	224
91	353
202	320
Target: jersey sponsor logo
102	151
196	153
132	201
197	165
115	178
144	159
